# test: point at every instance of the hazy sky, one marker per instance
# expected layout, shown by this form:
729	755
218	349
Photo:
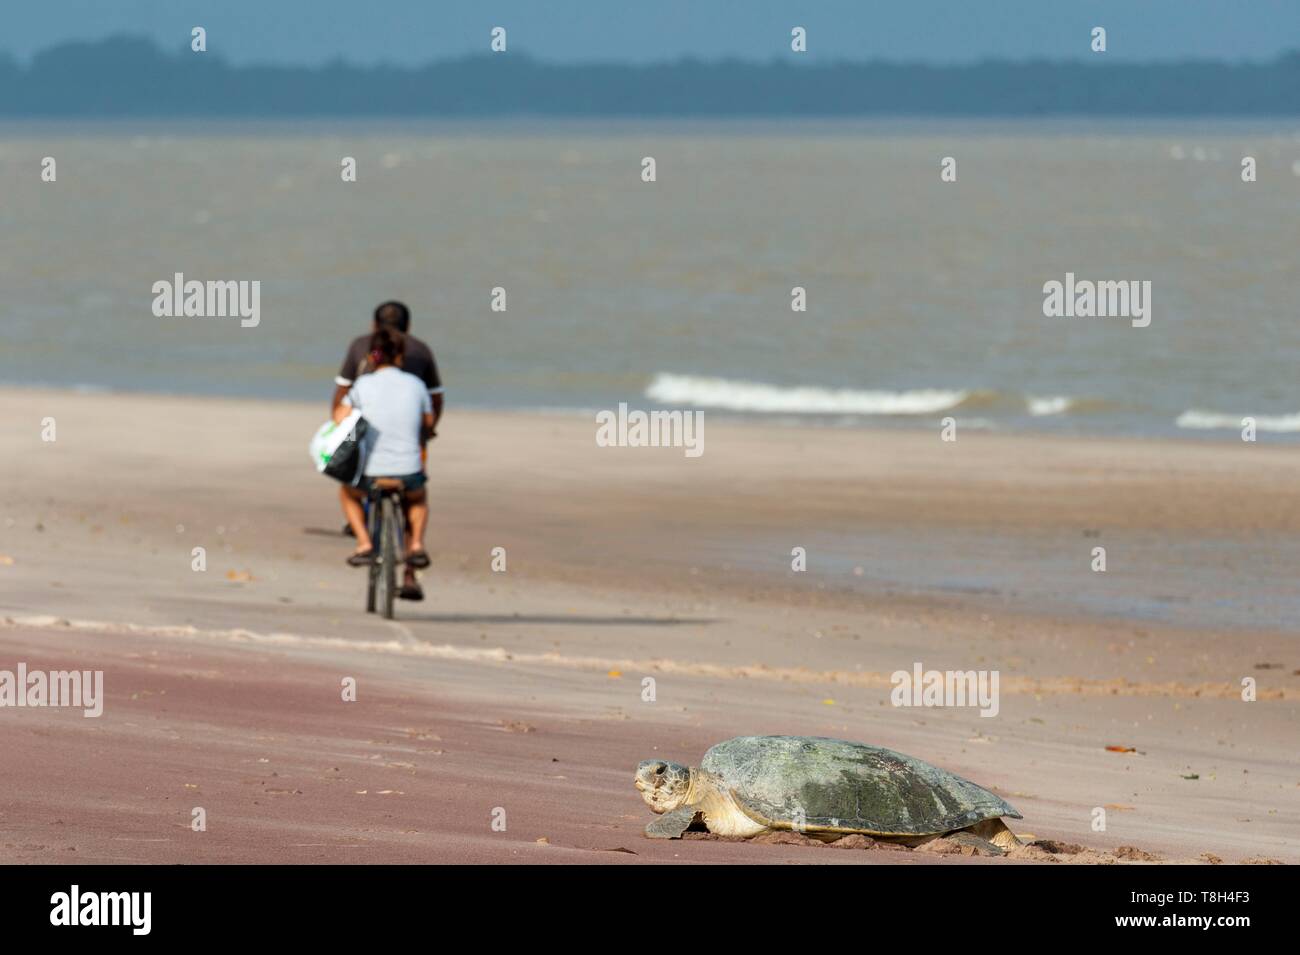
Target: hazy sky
416	31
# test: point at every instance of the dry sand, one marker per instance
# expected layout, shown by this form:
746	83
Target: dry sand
522	690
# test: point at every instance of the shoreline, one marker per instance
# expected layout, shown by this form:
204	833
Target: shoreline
832	422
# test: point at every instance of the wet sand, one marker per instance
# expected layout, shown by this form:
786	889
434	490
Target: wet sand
522	690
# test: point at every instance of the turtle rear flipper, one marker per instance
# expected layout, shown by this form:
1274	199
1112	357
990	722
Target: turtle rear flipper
671	825
996	832
983	846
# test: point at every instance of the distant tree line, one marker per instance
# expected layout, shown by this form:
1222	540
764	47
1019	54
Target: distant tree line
127	76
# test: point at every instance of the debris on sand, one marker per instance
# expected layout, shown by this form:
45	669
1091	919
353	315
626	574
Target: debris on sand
1030	853
787	837
784	838
1134	854
956	846
1052	847
943	847
422	734
854	840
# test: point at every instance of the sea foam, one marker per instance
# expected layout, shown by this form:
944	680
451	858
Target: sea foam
1214	420
732	395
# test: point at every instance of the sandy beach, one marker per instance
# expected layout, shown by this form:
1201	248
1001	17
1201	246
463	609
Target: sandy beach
522	690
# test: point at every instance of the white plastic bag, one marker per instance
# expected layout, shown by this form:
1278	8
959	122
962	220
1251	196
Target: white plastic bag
328	438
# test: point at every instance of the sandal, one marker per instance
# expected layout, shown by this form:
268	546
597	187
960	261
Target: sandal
417	560
362	558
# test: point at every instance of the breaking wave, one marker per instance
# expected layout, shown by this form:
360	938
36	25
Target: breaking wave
1042	407
1215	420
729	394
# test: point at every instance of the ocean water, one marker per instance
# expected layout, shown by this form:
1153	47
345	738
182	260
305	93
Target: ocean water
925	298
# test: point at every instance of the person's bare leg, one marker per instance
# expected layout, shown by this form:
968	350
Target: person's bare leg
356	515
418	513
411	504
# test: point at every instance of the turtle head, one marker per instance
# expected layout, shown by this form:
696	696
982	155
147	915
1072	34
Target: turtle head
663	785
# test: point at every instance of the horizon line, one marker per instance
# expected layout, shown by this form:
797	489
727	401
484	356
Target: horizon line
800	61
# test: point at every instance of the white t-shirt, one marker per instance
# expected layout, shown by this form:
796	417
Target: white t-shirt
393	404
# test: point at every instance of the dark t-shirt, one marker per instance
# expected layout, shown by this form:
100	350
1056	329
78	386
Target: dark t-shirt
417	361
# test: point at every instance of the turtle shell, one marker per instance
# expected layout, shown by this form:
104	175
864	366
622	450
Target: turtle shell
839	786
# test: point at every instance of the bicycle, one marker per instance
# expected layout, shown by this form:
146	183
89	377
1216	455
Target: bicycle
386	524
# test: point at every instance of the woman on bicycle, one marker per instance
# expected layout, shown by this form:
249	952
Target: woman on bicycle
399	416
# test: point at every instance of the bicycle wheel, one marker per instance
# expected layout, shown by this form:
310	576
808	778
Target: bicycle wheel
388	557
372	572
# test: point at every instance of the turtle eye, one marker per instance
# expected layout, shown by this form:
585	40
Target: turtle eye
660	769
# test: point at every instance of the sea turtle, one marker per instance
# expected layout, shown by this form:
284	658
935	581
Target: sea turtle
825	788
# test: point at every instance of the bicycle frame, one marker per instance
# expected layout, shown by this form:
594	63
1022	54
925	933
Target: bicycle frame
386	521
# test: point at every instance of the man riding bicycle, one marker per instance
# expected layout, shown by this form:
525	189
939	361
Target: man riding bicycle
417	360
399	412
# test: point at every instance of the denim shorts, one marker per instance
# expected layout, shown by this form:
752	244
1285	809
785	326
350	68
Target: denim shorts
411	482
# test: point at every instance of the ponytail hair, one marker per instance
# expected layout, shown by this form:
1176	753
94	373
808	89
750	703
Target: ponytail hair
387	345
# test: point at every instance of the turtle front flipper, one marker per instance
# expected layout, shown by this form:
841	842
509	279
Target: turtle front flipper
671	825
